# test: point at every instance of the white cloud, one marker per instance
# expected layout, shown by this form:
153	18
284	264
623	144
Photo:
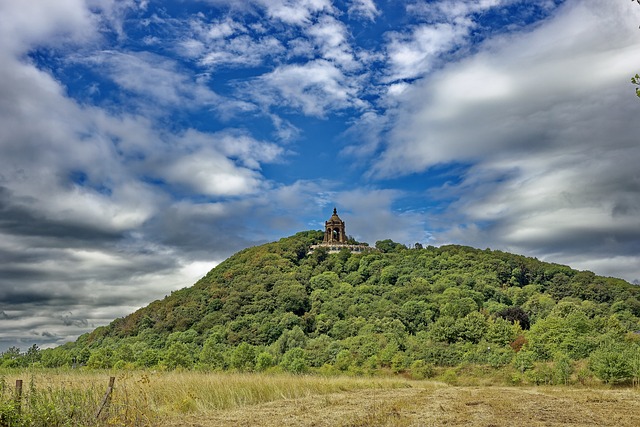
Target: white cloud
226	42
224	164
298	12
542	118
29	22
449	10
315	88
208	172
152	77
413	55
293	12
330	35
369	216
363	9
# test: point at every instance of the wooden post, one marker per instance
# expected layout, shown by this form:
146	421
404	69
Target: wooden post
107	396
18	396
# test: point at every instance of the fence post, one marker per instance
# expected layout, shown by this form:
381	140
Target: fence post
18	396
107	396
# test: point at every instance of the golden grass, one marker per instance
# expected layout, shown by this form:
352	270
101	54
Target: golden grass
233	399
151	398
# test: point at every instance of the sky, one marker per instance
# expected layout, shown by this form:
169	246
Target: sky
142	142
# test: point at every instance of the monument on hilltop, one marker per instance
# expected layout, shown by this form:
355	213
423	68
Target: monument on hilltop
335	237
334	230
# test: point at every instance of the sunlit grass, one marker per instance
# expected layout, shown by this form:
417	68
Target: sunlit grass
139	398
72	398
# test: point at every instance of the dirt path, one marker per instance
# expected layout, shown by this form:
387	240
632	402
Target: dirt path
439	405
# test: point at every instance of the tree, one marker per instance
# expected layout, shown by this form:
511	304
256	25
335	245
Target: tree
524	360
472	327
179	354
389	245
100	359
633	358
513	314
295	361
562	368
264	361
243	357
291	296
610	364
33	354
212	354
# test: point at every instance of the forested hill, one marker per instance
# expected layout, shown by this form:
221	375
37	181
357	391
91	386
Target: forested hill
277	305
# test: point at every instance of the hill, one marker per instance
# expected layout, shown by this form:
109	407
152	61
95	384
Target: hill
276	306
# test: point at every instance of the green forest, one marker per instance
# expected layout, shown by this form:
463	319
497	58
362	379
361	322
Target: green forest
418	312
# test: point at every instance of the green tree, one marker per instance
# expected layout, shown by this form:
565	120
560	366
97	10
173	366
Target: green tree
633	357
291	296
295	361
388	245
325	280
291	339
32	355
100	358
610	364
148	358
472	327
212	354
500	331
264	361
444	330
56	357
562	368
243	357
524	360
178	355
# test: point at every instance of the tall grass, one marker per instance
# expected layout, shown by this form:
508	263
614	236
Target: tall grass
232	390
69	399
72	398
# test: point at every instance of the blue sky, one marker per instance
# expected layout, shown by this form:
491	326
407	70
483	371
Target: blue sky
142	142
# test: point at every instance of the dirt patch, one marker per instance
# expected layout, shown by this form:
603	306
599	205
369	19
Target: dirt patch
432	404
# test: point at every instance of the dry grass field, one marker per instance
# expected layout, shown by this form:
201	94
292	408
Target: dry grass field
208	399
432	404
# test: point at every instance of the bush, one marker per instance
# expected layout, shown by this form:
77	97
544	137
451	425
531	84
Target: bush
450	377
264	361
609	363
243	357
421	370
295	361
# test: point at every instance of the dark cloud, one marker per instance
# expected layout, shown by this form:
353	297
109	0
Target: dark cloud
19	218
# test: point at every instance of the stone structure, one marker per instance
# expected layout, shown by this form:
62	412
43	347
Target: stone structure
335	237
334	231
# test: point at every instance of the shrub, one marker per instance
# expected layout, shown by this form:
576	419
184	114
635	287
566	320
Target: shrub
264	361
421	370
295	361
609	363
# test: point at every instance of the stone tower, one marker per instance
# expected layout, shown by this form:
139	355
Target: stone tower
334	232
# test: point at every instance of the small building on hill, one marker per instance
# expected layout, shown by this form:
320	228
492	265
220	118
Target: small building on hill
335	237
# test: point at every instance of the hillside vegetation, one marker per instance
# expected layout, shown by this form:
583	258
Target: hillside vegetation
420	312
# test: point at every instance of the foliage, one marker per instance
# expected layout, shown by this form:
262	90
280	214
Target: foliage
610	364
279	307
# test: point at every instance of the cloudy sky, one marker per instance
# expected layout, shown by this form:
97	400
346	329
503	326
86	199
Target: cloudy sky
144	141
